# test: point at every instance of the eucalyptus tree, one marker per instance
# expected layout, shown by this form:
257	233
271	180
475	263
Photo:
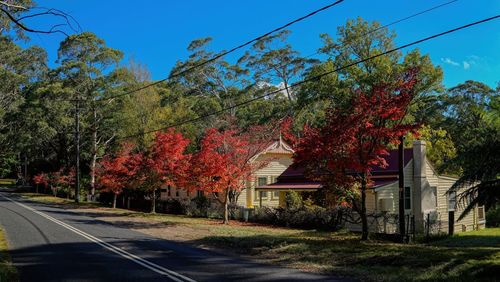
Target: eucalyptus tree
86	66
274	61
20	70
210	87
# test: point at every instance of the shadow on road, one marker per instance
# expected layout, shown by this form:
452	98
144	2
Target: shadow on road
87	261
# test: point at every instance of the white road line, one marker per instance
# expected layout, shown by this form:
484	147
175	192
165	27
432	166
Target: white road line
145	263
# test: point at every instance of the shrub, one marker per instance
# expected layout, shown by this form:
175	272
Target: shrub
198	207
493	217
307	217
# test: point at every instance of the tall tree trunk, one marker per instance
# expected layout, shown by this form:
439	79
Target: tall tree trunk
226	208
153	202
364	220
36	189
93	161
114	200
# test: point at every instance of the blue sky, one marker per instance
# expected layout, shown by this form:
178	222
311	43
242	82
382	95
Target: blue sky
156	33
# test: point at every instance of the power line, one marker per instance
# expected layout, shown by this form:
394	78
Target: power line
316	52
226	52
371	31
314	77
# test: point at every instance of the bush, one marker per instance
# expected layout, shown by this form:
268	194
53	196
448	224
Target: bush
198	207
306	217
493	217
171	206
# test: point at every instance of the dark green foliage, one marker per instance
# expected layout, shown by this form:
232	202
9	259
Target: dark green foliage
493	217
313	217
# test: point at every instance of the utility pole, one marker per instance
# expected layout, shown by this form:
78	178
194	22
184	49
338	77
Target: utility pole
77	150
401	189
26	169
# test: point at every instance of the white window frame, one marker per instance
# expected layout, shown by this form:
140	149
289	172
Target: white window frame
409	198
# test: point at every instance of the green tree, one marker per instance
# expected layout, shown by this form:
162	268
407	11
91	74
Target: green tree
355	41
273	61
86	63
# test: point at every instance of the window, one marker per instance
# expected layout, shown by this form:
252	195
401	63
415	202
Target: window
177	192
169	192
199	193
407	198
261	181
275	195
480	213
452	200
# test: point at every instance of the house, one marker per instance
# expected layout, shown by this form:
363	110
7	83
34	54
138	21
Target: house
426	200
277	156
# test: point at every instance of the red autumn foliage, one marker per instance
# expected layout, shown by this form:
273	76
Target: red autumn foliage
116	173
350	144
226	161
65	178
41	178
165	163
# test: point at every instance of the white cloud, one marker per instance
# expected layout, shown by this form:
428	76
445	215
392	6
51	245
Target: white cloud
466	65
450	62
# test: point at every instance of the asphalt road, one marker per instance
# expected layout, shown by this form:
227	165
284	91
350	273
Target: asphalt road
52	244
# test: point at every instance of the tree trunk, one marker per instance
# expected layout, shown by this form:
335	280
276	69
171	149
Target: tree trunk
128	202
93	161
364	220
153	202
36	189
114	200
226	208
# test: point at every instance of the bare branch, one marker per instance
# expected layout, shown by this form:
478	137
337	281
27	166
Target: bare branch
25	28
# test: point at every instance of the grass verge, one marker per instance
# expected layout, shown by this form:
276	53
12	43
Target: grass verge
471	256
7	271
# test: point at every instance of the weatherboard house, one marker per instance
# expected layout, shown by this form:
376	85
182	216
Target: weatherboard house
426	200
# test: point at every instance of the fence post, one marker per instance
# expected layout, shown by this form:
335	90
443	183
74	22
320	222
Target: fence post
428	224
451	222
413	227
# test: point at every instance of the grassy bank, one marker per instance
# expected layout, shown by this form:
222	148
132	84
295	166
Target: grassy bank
7	271
464	257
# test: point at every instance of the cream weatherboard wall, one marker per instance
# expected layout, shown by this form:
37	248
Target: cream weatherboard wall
440	203
276	165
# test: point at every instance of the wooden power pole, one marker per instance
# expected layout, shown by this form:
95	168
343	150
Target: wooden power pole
401	189
77	150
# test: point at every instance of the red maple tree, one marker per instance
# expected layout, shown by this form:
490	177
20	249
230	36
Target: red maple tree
225	162
165	163
115	173
345	149
41	178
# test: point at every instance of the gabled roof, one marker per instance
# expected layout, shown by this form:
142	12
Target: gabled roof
279	147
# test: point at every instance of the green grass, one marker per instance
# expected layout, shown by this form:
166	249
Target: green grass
65	203
7	271
7	182
471	256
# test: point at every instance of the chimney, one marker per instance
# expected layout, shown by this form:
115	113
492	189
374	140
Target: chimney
419	183
419	152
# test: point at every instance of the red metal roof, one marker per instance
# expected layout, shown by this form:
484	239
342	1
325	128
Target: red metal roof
293	177
393	161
